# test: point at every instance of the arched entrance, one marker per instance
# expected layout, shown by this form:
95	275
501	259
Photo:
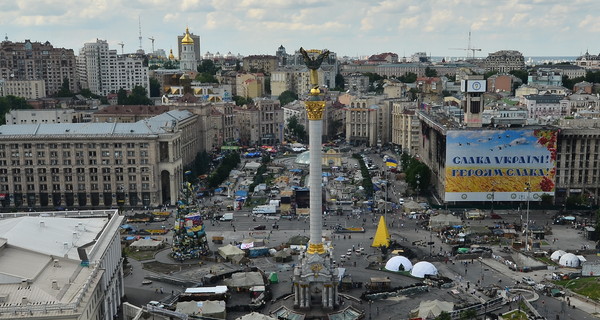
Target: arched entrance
165	186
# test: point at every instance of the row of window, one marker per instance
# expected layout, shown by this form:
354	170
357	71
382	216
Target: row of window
70	178
69	187
69	162
91	145
78	154
42	171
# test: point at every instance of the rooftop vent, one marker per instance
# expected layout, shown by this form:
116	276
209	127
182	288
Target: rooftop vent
56	263
42	223
24	300
55	284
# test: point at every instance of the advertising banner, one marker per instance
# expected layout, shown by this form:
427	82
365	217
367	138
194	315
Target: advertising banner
500	165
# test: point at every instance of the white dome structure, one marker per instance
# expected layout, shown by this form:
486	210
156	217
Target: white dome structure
395	262
422	269
555	256
569	260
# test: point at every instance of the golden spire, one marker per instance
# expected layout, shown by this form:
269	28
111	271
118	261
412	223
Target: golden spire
187	39
171	56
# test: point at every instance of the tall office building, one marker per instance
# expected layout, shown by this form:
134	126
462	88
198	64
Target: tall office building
38	61
103	71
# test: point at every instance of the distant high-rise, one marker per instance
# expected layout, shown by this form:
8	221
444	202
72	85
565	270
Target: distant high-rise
38	61
504	61
103	71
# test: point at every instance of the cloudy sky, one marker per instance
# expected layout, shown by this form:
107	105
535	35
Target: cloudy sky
349	27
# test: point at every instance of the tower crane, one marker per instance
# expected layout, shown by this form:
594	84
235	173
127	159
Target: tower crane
468	48
152	39
122	45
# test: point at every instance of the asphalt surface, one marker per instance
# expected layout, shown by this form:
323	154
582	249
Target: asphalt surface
487	271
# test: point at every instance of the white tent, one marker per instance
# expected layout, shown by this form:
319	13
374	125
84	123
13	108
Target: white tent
147	244
569	260
423	268
230	252
432	308
395	262
555	256
255	316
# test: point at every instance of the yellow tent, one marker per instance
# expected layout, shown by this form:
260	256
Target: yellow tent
382	236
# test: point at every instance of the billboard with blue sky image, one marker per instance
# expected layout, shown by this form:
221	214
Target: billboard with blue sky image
503	165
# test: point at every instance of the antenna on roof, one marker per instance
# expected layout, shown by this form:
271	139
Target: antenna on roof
140	30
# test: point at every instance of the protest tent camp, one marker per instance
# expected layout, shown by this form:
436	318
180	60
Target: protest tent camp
231	252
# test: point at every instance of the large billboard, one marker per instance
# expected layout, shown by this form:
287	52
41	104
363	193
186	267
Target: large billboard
500	165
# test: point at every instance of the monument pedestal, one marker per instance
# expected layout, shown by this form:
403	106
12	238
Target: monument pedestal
315	283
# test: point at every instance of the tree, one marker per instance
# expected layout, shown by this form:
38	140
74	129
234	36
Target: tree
296	130
205	77
287	97
444	316
11	103
208	66
339	82
138	96
451	77
521	74
408	78
489	74
468	314
154	87
430	72
64	89
570	83
240	101
122	97
592	76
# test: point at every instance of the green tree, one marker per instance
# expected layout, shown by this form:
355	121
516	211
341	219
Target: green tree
592	76
570	83
296	130
410	77
521	74
444	316
430	72
451	77
10	102
240	101
206	77
64	89
468	314
489	74
154	87
339	82
287	97
170	65
208	66
122	97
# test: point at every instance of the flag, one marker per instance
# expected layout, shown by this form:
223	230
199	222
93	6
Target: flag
391	163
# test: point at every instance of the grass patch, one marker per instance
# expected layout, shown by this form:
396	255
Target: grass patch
544	243
547	261
588	286
515	314
139	255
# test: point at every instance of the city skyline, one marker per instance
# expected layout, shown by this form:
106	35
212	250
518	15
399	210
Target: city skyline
349	28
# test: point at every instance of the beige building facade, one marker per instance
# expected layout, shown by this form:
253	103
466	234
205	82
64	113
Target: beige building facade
97	164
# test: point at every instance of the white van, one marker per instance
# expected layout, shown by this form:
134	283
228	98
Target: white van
227	216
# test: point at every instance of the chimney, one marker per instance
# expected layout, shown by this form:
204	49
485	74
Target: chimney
24	300
42	224
66	245
56	264
24	283
55	284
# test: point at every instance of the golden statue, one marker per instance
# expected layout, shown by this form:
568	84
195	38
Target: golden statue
314	64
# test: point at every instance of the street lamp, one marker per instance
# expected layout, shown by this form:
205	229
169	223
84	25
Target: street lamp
418	176
528	189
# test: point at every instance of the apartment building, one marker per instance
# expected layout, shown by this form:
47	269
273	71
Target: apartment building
504	61
103	71
260	63
35	116
261	124
96	164
27	89
25	61
406	127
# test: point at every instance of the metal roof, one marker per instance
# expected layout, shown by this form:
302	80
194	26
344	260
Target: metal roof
162	123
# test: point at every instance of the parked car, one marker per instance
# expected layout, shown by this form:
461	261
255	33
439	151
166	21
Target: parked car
495	216
529	281
260	227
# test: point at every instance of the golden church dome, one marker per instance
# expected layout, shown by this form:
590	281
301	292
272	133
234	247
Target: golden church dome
187	39
171	56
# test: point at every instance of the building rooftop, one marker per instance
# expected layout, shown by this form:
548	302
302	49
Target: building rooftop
162	123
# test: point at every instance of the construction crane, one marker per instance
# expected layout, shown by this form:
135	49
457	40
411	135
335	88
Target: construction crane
468	48
122	45
152	39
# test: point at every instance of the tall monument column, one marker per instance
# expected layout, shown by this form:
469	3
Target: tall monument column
315	278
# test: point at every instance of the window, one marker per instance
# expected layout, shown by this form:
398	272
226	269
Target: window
131	178
29	171
15	162
66	145
28	154
106	153
91	145
118	161
131	170
55	179
80	170
131	153
144	154
145	169
66	154
144	161
145	178
67	162
93	170
118	145
30	187
118	154
132	187
40	145
79	146
53	162
105	161
94	178
130	161
94	186
14	154
28	162
68	178
93	162
18	187
43	179
104	145
41	162
145	186
3	171
43	187
41	154
54	170
52	145
56	187
80	178
91	153
119	178
79	162
53	154
16	171
107	187
130	145
17	178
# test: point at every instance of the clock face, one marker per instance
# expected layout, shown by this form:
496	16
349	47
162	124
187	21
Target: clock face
476	85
